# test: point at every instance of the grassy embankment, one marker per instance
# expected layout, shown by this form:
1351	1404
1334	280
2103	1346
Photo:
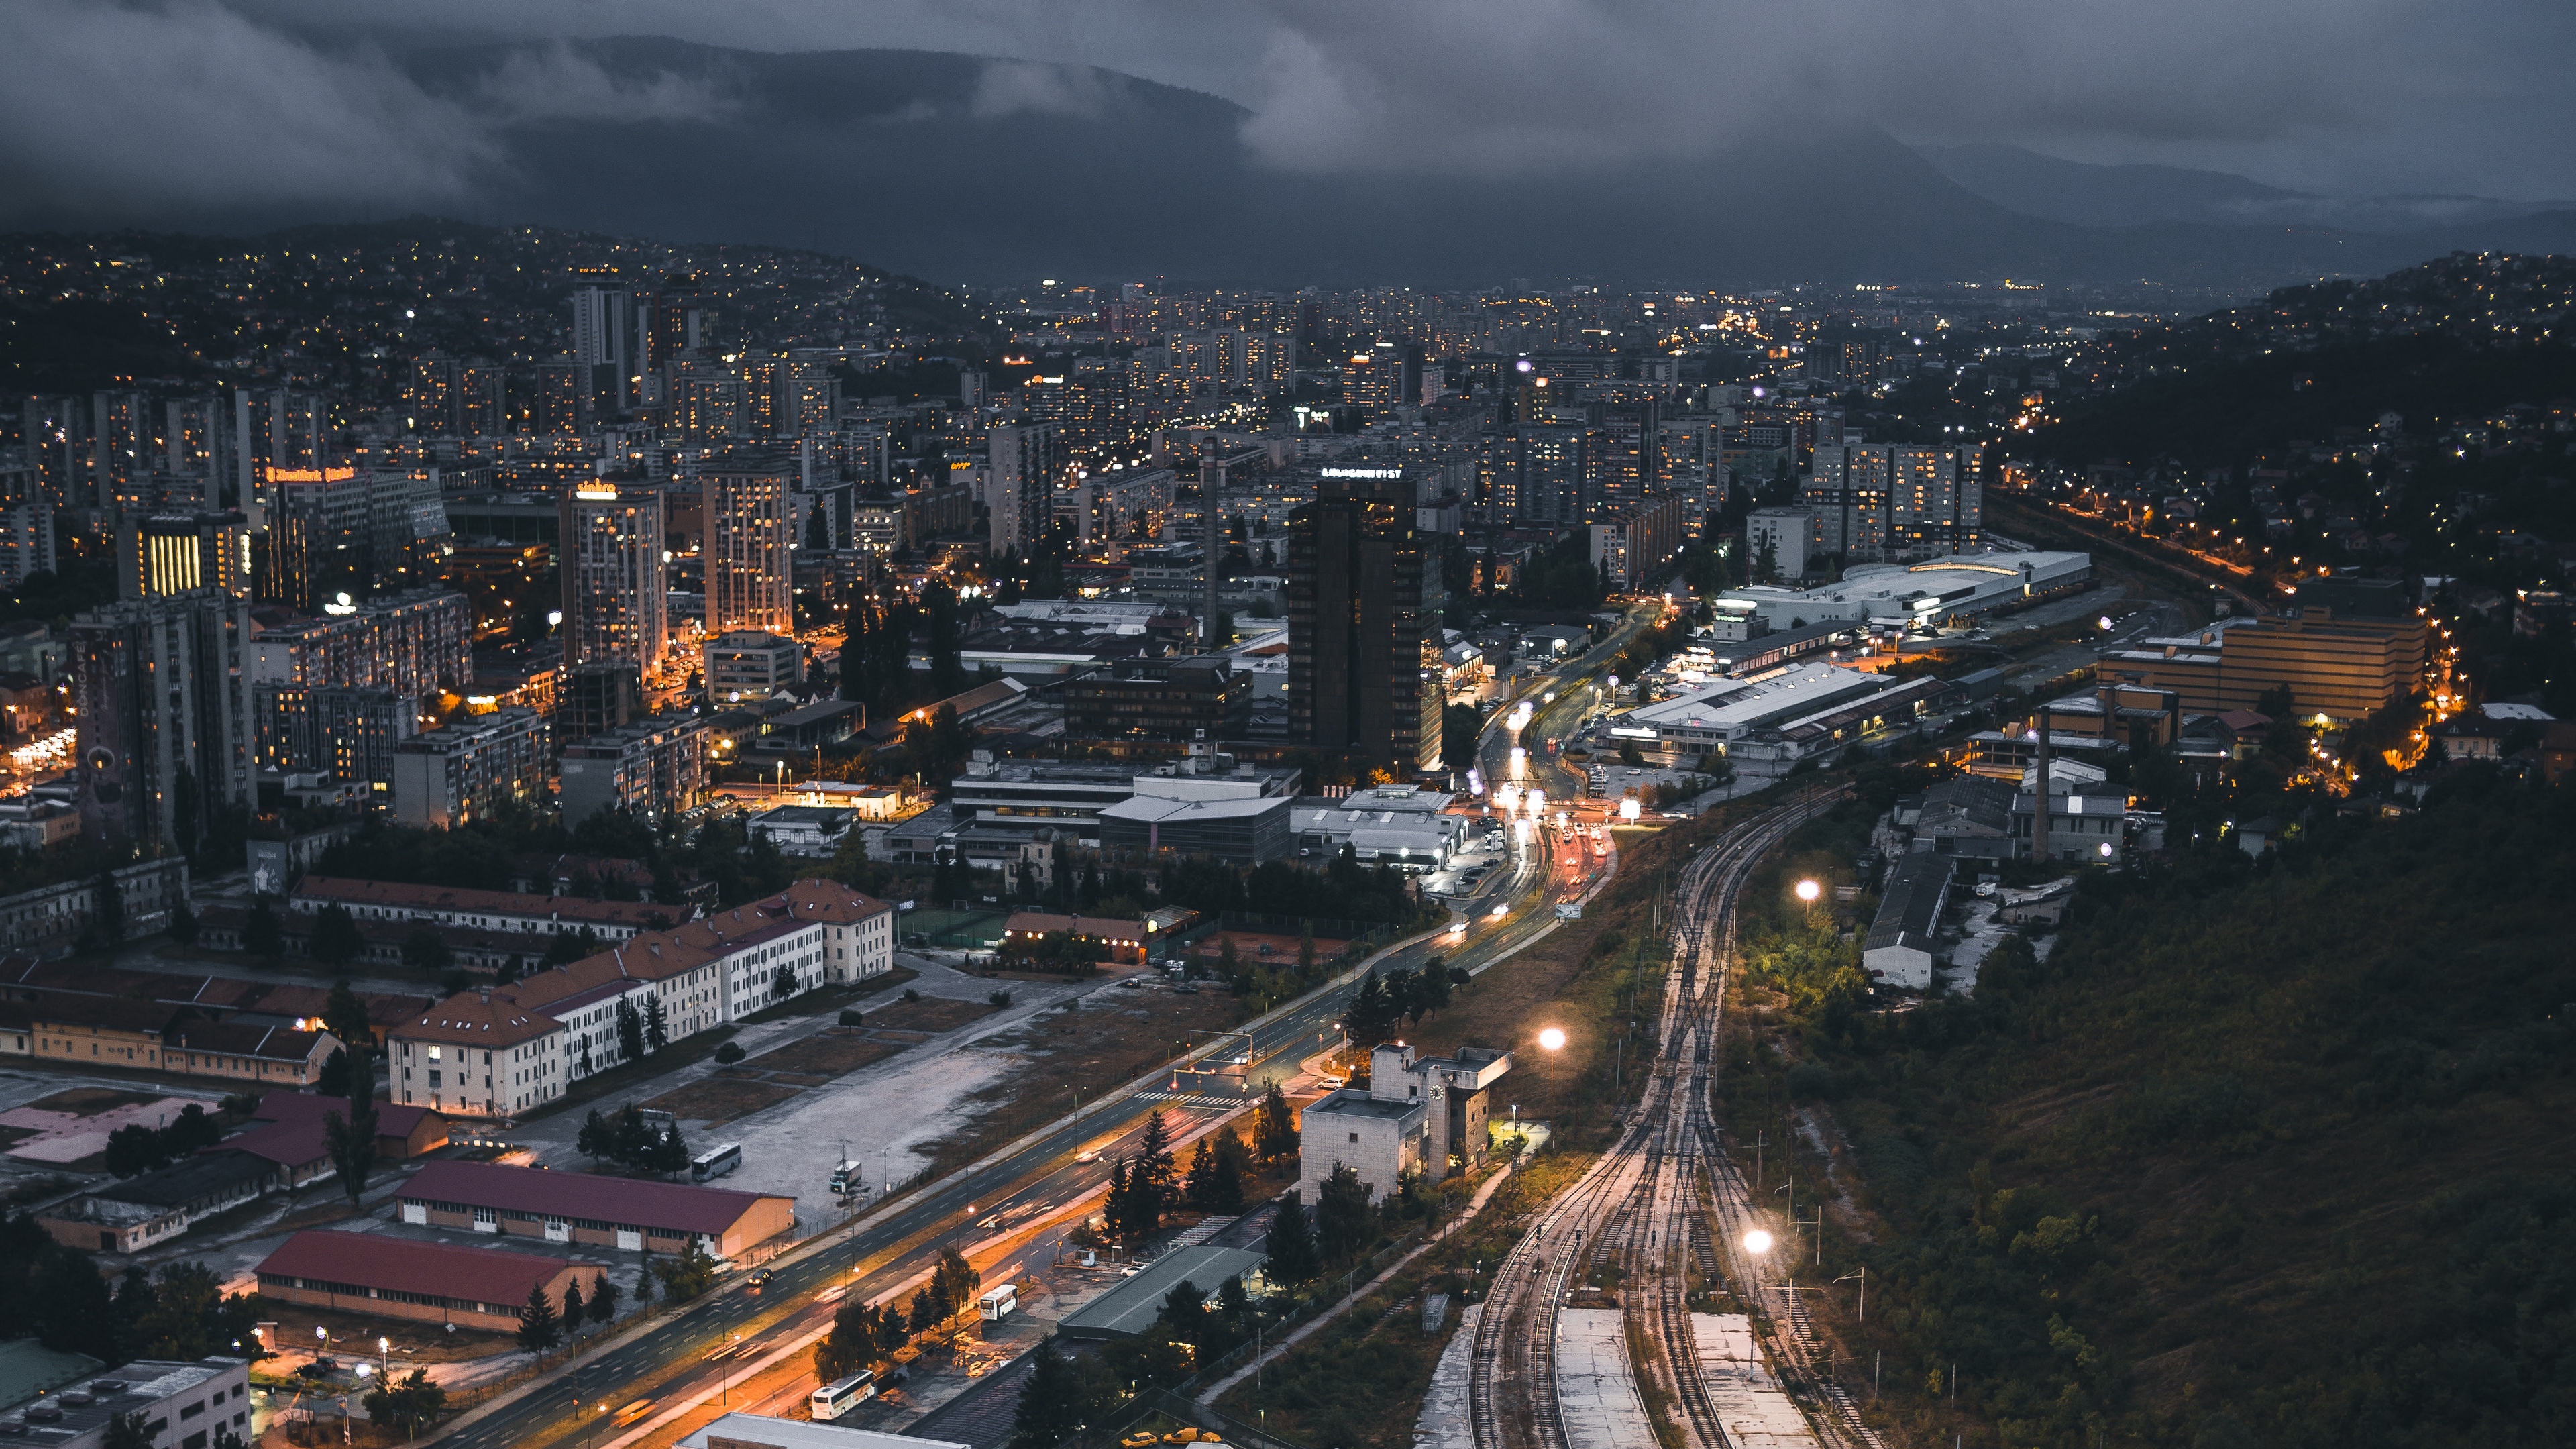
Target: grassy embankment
2267	1154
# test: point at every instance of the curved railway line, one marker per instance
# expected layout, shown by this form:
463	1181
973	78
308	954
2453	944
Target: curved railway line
1662	1201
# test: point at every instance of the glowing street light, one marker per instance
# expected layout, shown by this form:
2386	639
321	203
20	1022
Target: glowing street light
1554	1041
1810	892
1757	1241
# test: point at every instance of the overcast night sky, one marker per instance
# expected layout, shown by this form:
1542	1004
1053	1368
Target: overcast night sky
2329	95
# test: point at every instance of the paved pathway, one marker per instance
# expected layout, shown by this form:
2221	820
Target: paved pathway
1596	1386
1444	1422
1757	1412
1484	1195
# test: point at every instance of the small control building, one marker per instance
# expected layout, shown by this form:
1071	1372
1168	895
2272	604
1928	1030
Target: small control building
1415	1118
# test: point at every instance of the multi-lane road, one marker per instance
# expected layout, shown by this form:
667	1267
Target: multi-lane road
1041	1176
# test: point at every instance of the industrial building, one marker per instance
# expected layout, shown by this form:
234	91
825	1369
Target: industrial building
1405	826
1769	726
1130	1309
766	1431
999	805
1900	946
1231	818
2349	648
1917	595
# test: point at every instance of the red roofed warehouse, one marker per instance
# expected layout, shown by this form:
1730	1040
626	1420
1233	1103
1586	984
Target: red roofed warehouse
576	1207
431	1282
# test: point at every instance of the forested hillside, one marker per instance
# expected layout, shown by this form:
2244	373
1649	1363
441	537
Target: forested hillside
2271	1155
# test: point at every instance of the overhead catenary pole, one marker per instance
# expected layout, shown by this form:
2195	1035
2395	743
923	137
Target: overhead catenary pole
2039	806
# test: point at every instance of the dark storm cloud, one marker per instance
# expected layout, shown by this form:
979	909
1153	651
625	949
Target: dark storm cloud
127	107
117	113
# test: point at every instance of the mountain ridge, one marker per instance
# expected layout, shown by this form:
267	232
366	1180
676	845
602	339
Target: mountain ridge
970	168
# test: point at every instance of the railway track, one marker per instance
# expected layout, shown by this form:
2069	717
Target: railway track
1643	1207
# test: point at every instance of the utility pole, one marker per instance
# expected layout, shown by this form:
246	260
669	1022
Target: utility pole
1863	1276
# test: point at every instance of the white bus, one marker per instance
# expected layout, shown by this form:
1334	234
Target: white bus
997	1305
715	1162
835	1399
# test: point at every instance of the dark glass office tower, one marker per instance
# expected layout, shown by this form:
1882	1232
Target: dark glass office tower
1363	652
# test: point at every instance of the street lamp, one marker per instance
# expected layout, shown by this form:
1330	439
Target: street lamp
1757	1242
1554	1040
385	1356
1810	892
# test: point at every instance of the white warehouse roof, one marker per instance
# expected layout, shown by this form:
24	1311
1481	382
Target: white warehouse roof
1959	583
1730	707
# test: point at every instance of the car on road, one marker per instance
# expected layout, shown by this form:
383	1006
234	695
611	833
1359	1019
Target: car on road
760	1279
1088	1154
320	1368
634	1410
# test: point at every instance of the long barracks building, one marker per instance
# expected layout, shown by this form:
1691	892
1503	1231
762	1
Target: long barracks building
502	1050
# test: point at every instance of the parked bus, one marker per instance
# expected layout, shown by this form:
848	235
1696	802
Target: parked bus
997	1305
835	1399
845	1179
716	1162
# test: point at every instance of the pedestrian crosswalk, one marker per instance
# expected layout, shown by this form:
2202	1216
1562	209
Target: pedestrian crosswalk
1190	1099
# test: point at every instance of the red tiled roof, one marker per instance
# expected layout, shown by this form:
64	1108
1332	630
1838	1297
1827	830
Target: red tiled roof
519	1011
1099	928
668	1205
499	903
495	1021
391	1120
404	1265
233	1039
289	1144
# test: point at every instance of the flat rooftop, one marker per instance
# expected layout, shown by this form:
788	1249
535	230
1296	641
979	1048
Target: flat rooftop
1737	704
1352	1102
1129	1310
1925	590
768	1433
